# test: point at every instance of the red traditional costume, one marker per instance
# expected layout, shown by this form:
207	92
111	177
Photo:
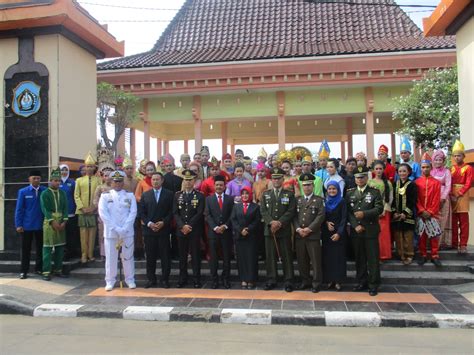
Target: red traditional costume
389	171
428	200
461	180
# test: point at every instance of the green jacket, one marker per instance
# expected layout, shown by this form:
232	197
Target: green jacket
370	202
310	215
280	209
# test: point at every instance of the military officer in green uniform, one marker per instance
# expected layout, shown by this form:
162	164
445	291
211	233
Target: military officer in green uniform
307	222
188	209
278	210
364	206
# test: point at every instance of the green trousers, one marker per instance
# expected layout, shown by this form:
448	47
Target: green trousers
284	247
366	252
57	255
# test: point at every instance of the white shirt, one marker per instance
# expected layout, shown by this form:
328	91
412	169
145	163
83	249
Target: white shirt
118	210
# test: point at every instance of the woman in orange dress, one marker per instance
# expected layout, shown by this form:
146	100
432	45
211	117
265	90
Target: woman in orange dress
289	183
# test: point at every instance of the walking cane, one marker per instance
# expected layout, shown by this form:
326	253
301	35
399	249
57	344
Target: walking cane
276	247
118	246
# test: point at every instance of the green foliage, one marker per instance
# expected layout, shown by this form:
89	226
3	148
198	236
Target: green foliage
429	114
116	107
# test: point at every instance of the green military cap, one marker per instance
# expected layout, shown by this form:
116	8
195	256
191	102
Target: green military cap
361	171
55	174
188	174
277	173
117	175
307	178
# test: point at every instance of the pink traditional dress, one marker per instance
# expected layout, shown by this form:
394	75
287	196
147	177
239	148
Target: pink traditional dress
443	175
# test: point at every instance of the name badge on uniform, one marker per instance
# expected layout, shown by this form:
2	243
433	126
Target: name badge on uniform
28	196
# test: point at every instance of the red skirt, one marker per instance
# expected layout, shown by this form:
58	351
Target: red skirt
385	239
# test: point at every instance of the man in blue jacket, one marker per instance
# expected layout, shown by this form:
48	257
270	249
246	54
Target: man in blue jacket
29	223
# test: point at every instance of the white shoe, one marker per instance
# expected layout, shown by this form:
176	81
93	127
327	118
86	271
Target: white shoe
132	285
109	287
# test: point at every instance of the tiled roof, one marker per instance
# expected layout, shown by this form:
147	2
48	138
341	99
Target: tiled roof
206	31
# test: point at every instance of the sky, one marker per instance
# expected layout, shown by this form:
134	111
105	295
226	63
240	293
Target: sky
140	23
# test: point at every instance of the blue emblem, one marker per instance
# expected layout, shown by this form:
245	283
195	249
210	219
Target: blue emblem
26	99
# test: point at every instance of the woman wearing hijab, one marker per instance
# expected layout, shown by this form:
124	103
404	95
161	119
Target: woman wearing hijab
72	232
245	224
334	237
443	175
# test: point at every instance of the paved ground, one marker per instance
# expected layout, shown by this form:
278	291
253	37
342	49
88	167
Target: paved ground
20	335
405	299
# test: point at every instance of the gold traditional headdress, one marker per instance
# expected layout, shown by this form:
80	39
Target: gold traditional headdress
458	147
89	160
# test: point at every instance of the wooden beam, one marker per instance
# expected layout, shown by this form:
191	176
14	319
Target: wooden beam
369	123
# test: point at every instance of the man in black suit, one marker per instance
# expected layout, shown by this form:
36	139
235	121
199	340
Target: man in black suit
188	209
156	213
217	212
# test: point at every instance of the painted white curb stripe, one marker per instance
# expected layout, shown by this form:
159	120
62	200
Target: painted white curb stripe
57	310
454	320
353	319
246	316
147	313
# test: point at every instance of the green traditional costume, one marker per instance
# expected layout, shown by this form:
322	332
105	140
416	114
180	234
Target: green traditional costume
54	205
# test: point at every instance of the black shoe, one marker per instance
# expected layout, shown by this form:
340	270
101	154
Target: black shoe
436	262
269	287
47	277
421	261
288	288
150	284
315	288
250	286
226	285
165	284
330	285
197	284
61	274
303	286
181	284
360	288
373	292
215	285
23	275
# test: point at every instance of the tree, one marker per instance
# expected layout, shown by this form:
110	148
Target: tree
116	107
429	114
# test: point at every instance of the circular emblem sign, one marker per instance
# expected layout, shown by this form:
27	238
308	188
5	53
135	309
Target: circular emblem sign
26	99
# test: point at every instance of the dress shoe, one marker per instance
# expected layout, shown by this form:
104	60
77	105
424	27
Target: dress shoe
132	285
303	286
330	285
269	287
215	285
250	286
289	288
315	288
360	288
109	287
226	285
23	275
47	277
197	284
165	284
422	260
150	284
436	262
373	292
181	284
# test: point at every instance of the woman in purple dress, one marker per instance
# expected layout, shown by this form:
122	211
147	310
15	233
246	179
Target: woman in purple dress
235	186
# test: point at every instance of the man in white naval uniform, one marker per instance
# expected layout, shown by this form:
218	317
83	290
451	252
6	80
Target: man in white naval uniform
118	210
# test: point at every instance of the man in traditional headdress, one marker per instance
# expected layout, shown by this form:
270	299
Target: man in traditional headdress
54	205
323	157
129	181
389	171
462	175
185	159
427	207
405	156
205	162
85	209
239	155
317	182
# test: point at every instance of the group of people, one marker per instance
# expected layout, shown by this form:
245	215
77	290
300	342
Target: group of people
274	208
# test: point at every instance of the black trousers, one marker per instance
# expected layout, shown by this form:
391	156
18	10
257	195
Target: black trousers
27	239
226	243
73	242
157	247
367	260
189	244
